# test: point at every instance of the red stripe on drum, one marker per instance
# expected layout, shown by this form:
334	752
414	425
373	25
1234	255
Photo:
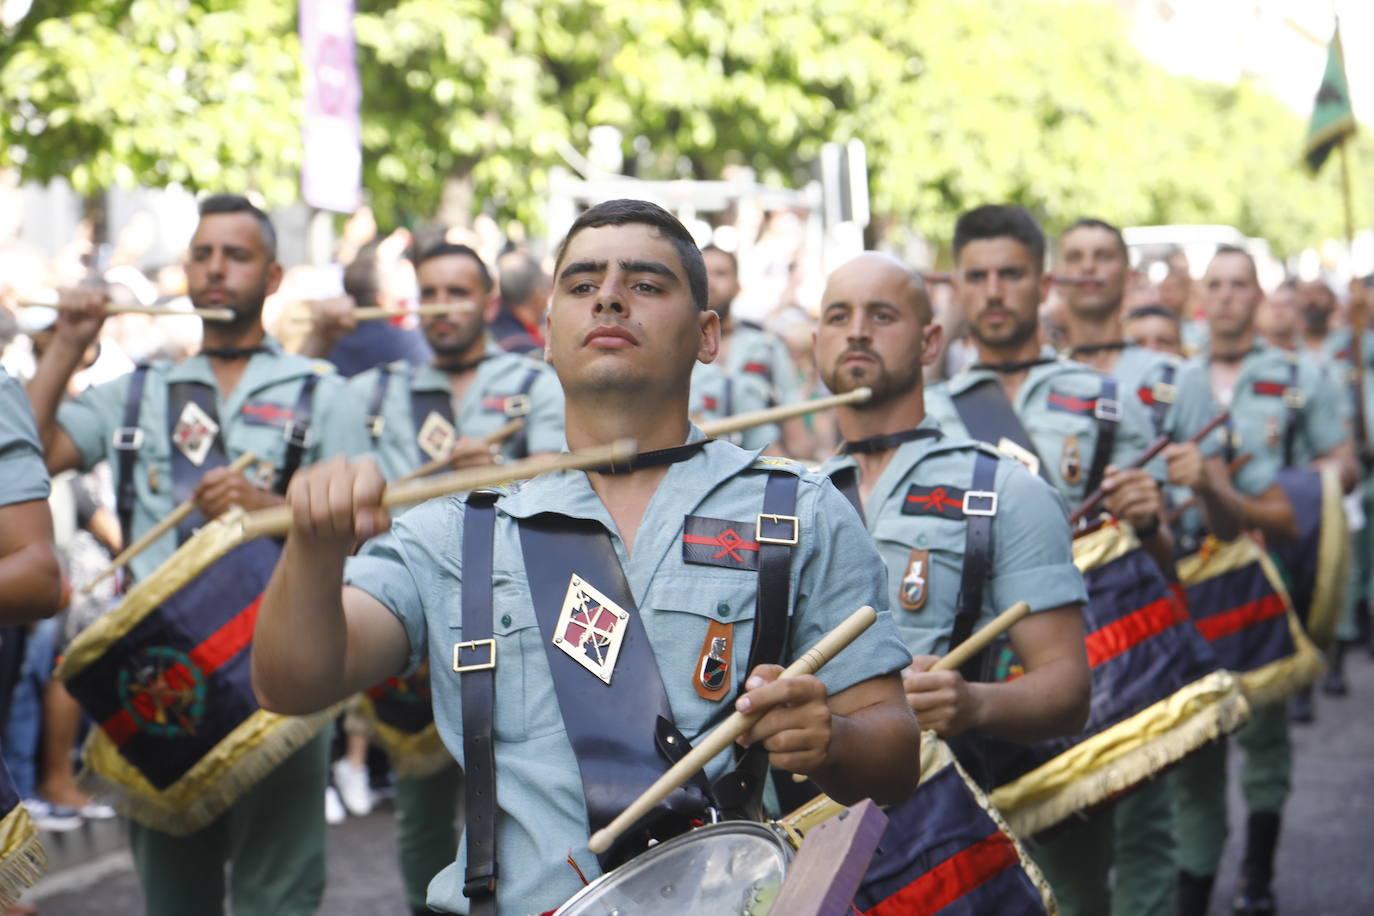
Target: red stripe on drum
120	727
1237	619
951	879
1111	640
228	641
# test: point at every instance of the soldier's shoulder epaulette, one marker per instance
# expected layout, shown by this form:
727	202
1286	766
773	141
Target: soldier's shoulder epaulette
774	463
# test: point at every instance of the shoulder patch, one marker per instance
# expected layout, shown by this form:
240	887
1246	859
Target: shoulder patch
772	462
321	367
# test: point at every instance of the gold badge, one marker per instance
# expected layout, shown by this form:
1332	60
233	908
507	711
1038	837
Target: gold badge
194	433
1016	452
590	628
912	591
154	484
264	475
1071	462
436	436
712	680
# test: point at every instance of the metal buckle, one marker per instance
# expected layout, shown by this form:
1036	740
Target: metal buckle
1294	398
1107	409
472	645
297	434
761	538
517	405
375	424
986	495
479	882
128	438
1164	393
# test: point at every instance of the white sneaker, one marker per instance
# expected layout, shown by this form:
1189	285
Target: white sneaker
97	811
351	781
334	812
52	818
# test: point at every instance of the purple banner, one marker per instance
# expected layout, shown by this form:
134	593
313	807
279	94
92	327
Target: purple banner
331	170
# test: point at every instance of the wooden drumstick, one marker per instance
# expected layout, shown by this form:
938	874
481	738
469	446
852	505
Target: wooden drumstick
1158	445
276	521
785	412
174	518
378	313
113	309
1177	512
438	464
723	735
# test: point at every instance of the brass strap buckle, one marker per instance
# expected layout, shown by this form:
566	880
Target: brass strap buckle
472	645
762	538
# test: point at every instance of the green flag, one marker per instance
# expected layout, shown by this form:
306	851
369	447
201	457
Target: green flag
1332	117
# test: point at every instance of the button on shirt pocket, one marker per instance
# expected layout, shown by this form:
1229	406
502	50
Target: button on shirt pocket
680	609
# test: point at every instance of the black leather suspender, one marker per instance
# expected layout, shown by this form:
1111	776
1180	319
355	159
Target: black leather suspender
374	420
1163	396
520	442
1293	399
297	432
980	507
846	480
128	439
988	416
1107	410
475	660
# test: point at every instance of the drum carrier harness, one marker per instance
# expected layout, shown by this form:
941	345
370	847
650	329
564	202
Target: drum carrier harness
422	403
627	739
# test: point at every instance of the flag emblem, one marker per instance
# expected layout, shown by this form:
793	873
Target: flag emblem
591	628
912	592
163	691
194	433
436	436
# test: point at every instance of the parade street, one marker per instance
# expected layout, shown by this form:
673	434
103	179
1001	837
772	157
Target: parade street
1322	870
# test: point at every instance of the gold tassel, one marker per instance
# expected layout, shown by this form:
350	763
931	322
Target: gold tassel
1334	558
22	856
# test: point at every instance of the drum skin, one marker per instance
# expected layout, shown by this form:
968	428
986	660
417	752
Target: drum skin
1316	564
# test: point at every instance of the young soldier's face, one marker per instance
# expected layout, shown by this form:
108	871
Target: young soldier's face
1154	332
622	314
228	267
1230	295
999	287
874	329
1092	256
456	280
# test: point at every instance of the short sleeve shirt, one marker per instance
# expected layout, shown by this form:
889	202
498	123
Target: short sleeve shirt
252	419
717	395
759	353
415	571
493	398
1032	550
23	476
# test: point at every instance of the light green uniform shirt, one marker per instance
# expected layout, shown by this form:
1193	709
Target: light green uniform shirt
1031	558
762	354
252	418
717	395
489	402
415	571
23	477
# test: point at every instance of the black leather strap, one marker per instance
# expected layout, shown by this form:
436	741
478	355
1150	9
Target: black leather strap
1159	410
297	432
1292	417
612	727
989	417
422	404
977	561
888	441
186	475
127	441
478	689
1108	420
374	420
1020	365
520	442
846	480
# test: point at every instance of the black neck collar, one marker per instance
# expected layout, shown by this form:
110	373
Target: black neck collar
886	441
233	352
1016	366
1090	349
458	368
651	459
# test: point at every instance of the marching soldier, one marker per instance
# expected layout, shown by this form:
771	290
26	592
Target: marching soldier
564	619
407	417
169	431
30	575
718	395
1079	428
1280	406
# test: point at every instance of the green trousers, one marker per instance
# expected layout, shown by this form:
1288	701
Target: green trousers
1076	862
271	839
1200	810
426	835
1145	866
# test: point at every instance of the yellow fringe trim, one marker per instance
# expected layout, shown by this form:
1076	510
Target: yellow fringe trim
235	765
1334	557
1122	756
1283	677
1110	542
935	757
22	856
414	755
191	559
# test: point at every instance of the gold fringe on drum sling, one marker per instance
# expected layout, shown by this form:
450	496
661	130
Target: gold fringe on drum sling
22	856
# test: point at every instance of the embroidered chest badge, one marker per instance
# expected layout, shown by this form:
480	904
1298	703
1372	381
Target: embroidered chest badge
719	542
436	436
194	433
1071	462
591	628
712	674
912	591
947	502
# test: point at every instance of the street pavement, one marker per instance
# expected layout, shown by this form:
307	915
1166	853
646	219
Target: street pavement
1322	864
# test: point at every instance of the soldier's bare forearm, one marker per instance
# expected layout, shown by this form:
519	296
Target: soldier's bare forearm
875	749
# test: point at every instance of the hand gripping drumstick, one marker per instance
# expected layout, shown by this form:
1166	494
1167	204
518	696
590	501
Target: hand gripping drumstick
113	309
785	412
177	515
1157	446
723	735
438	464
276	521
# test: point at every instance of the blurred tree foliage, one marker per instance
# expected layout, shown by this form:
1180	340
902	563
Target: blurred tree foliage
1041	102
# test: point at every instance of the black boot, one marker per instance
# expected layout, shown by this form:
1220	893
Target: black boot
1256	895
1300	708
1334	685
1194	892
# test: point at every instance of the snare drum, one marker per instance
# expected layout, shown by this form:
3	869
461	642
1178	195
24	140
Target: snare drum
727	868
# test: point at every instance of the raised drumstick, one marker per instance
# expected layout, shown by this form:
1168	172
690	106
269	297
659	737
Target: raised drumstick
174	518
785	412
113	309
723	735
438	464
